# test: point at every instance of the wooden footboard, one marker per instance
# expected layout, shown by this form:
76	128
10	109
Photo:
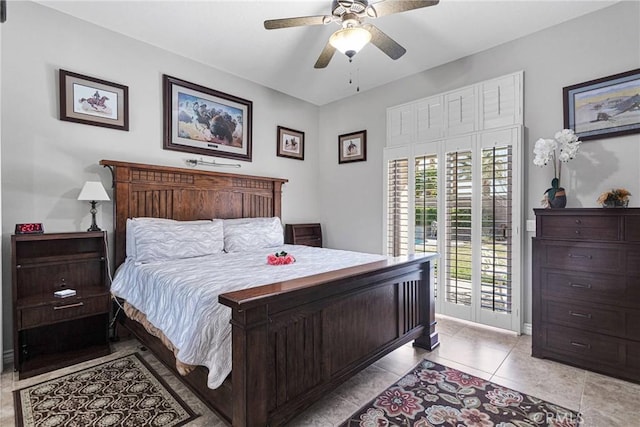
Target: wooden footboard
296	340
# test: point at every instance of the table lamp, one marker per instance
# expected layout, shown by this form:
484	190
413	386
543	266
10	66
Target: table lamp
94	192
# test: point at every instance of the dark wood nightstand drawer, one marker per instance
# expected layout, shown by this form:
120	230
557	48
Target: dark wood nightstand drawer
581	227
65	309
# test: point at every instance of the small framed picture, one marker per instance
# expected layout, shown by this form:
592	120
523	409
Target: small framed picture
290	143
93	101
604	107
352	147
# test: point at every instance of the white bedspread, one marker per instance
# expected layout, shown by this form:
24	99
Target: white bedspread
180	297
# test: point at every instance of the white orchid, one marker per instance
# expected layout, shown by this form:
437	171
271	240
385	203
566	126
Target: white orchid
546	150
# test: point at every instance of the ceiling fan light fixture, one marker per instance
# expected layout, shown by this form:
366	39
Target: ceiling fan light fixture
350	40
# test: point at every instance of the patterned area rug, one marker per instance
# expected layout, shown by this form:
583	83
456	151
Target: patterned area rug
435	395
123	392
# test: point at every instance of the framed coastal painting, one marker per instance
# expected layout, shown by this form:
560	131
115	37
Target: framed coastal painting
205	121
290	143
605	107
352	147
93	101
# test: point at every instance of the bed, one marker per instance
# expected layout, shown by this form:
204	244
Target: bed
294	340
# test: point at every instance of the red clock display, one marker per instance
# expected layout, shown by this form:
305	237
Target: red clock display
29	228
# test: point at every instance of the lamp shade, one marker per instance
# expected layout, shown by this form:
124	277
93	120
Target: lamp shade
350	40
93	190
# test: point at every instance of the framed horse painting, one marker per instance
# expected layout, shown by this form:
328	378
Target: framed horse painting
93	101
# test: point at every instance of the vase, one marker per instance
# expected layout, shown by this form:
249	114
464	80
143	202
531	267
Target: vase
615	204
559	199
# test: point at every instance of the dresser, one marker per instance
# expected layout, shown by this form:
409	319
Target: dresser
586	289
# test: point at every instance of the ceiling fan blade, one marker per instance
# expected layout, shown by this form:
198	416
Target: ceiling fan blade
384	42
325	56
274	24
388	7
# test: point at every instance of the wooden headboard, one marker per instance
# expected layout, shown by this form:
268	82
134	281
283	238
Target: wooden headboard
142	190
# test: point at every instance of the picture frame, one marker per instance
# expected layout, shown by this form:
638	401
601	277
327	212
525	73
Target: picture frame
290	143
604	107
352	147
205	121
92	101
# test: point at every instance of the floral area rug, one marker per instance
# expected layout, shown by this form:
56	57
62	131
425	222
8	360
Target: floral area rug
435	395
122	392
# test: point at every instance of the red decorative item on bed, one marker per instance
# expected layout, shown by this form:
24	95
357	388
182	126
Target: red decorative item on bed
295	340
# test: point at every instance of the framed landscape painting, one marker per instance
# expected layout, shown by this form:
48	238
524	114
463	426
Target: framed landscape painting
605	107
352	147
290	143
93	101
205	121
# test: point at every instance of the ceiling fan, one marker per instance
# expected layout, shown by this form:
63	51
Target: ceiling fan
355	33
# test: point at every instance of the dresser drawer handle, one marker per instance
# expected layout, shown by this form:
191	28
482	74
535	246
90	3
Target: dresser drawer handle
63	307
577	231
578	221
576	314
579	285
580	256
579	344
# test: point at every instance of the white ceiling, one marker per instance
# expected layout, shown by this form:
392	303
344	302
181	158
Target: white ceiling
230	36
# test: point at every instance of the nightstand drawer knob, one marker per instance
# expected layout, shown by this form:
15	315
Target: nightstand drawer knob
63	307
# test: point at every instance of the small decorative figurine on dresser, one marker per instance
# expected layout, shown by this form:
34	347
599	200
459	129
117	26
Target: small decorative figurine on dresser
566	144
616	198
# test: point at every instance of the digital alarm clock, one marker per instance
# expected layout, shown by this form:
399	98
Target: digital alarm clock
29	228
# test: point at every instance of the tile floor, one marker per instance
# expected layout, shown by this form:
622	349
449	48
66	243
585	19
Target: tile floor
499	356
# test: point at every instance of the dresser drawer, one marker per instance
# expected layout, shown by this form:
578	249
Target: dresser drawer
631	229
584	257
590	287
66	309
587	317
580	227
584	345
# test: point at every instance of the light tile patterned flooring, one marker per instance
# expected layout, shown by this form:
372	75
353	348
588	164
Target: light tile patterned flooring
495	355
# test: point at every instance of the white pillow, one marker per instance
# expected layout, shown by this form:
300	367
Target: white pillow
245	234
155	240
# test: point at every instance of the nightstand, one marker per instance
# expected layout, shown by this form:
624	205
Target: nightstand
303	234
50	332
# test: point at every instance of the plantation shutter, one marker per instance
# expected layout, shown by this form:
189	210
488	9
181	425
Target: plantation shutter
426	207
458	223
398	207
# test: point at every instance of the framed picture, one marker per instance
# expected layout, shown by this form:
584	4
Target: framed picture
204	121
92	101
605	107
352	147
290	143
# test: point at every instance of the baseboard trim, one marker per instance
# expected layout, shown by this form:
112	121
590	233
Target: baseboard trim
527	329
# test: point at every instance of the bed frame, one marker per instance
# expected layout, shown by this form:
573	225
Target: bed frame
293	341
